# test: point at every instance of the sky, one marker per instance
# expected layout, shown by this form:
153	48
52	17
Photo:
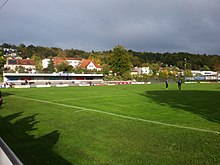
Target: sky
141	25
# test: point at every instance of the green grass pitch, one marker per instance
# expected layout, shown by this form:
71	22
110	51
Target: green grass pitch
113	125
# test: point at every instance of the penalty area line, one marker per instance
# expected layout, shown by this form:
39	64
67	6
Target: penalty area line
121	116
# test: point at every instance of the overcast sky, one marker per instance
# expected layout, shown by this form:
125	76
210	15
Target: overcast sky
141	25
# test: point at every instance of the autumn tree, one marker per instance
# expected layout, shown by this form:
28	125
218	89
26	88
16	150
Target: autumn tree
94	57
38	62
188	73
155	68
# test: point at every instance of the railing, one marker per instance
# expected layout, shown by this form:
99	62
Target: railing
7	157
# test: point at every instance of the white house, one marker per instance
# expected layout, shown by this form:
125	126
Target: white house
90	65
145	70
45	62
140	70
74	62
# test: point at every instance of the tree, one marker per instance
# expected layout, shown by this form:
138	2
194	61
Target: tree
61	53
205	68
22	48
62	67
217	66
30	50
94	57
174	71
135	61
105	69
180	64
20	69
145	65
187	73
119	61
2	62
126	75
155	68
50	67
38	62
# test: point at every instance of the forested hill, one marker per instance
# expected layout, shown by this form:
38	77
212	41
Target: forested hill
191	61
180	59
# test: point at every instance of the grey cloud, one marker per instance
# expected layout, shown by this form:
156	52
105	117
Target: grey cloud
142	25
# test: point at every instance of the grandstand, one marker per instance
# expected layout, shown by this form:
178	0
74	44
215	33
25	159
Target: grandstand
52	79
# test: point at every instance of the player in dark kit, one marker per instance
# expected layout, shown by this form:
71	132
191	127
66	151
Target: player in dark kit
179	84
166	84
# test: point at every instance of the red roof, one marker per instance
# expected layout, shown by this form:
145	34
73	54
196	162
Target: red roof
73	59
85	63
58	60
25	62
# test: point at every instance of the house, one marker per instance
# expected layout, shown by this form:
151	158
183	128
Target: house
59	60
45	62
74	62
134	71
90	65
9	52
28	64
145	70
140	70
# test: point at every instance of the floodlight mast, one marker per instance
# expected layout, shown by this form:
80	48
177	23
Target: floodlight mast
184	63
185	69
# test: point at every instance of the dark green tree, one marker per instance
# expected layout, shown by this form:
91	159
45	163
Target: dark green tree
20	69
135	61
119	61
62	67
50	67
205	68
2	63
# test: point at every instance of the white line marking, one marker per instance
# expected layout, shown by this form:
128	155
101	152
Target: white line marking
79	111
92	97
121	116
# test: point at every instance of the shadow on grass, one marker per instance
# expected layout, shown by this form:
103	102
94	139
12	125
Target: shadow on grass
30	150
4	94
203	103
